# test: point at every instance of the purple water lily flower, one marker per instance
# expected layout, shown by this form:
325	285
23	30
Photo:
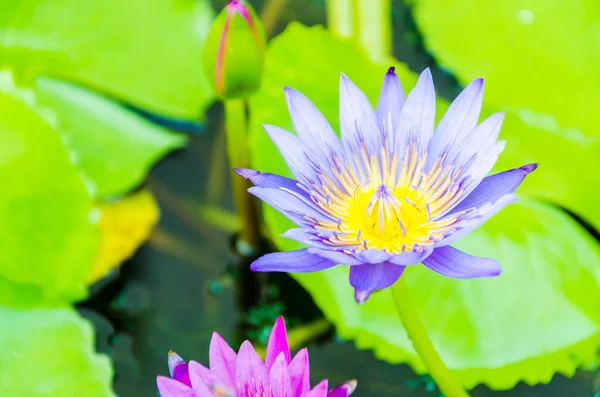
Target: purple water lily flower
394	191
245	375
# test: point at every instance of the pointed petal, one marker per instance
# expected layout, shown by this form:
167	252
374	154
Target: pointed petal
372	256
293	205
391	99
294	151
311	237
338	257
263	179
319	390
279	378
368	278
480	142
357	118
476	158
410	258
222	360
343	390
174	360
278	344
417	116
178	368
300	261
312	127
478	218
493	187
299	371
458	122
251	374
168	387
203	380
451	262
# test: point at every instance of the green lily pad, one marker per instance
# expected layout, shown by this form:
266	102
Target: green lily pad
113	147
49	352
47	237
536	319
533	138
534	54
147	53
551	89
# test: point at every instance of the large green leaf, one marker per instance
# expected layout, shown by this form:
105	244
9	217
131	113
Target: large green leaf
113	147
571	184
144	52
47	238
49	352
537	318
536	58
536	54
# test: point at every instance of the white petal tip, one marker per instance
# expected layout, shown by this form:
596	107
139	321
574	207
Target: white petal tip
361	296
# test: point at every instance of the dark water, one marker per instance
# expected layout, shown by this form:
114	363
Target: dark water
186	282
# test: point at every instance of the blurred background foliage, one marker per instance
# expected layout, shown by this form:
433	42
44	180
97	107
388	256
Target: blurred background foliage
91	94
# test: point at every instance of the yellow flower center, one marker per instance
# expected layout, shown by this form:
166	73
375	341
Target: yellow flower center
380	205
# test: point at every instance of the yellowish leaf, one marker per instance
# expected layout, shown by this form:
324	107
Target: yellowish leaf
124	226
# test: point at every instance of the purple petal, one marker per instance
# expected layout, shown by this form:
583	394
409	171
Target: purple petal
372	256
279	378
312	127
410	258
338	257
343	390
168	387
458	122
263	179
480	216
178	368
299	371
300	261
278	344
222	360
357	118
311	237
417	115
480	144
203	380
293	205
319	390
479	152
251	374
454	263
493	187
294	151
391	99
367	278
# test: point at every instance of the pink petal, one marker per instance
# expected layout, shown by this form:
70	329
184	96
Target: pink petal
343	390
278	343
203	380
299	371
222	360
319	390
178	368
168	387
250	372
279	378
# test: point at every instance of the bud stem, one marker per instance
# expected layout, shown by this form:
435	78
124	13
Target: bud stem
236	127
373	27
339	17
422	343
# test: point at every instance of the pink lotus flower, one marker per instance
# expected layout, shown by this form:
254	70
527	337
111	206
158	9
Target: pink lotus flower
245	375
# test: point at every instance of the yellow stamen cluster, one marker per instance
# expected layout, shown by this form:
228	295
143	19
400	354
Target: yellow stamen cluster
380	205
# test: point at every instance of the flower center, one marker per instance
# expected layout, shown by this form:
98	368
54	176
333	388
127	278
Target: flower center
385	205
